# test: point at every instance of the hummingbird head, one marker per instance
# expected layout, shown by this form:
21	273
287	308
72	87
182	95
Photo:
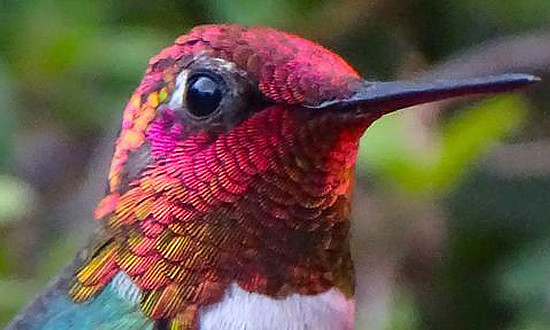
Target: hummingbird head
257	87
221	79
234	164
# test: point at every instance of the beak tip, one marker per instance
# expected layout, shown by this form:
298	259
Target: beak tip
534	79
526	79
513	81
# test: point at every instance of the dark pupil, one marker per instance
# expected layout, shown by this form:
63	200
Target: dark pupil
203	95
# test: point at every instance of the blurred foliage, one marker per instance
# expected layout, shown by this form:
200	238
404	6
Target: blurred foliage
14	198
66	69
458	144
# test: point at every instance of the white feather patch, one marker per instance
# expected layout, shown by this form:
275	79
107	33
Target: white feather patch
125	288
240	310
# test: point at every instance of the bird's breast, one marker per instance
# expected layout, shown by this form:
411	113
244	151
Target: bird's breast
240	309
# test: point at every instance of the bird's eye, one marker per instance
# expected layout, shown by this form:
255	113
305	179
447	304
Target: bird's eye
204	94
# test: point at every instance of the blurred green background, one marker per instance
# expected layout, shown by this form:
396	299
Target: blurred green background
451	220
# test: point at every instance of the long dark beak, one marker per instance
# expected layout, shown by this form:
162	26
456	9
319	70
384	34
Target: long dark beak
390	96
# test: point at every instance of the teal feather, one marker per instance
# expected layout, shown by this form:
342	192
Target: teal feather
115	307
105	311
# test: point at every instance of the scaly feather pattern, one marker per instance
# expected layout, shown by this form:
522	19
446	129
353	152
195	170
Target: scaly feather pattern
264	203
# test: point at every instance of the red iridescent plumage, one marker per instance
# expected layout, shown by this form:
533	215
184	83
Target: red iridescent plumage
264	204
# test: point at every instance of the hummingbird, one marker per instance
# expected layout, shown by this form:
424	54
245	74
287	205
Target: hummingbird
228	195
